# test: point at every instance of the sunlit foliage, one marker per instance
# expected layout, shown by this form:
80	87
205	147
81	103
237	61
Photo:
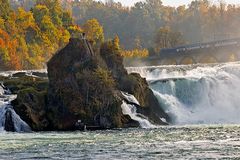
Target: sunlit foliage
135	53
29	38
94	31
33	30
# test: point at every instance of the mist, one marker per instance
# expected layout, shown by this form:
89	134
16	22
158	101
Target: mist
200	94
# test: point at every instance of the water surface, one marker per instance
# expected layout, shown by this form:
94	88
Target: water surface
181	142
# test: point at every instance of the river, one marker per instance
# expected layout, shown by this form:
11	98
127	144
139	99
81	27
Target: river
202	101
174	142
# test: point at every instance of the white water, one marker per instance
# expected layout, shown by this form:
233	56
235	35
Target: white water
206	94
1	91
27	72
130	98
131	110
5	99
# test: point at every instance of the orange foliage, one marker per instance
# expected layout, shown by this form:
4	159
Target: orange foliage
14	63
8	51
1	42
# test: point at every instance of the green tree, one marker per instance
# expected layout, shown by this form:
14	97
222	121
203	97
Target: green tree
4	8
67	19
2	26
39	11
55	10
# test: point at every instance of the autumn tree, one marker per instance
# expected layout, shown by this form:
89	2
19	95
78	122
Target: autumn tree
94	32
8	52
55	10
4	8
2	26
116	43
33	30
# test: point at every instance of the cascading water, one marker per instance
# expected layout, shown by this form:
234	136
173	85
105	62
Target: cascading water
131	110
197	94
7	113
1	91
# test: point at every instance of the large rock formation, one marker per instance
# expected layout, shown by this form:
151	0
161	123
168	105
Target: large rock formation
81	88
133	84
31	102
85	86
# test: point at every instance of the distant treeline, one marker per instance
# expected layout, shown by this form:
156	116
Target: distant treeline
32	30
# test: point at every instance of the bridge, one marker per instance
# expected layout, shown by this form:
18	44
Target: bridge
211	52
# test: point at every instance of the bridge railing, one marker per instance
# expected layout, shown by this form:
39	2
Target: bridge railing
197	46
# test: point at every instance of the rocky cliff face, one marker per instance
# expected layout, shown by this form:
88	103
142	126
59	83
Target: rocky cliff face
82	88
31	102
86	86
133	84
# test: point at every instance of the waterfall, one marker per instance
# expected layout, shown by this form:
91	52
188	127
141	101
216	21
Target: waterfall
131	110
7	114
197	94
1	91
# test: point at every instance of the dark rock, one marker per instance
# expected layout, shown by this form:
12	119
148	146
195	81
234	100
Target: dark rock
16	84
31	100
83	86
40	74
77	89
138	87
9	124
134	84
19	74
86	86
31	106
104	121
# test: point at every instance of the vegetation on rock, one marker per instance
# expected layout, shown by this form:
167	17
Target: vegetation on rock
31	99
82	85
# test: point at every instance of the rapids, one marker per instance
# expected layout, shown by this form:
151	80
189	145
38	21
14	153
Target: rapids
6	109
196	94
131	110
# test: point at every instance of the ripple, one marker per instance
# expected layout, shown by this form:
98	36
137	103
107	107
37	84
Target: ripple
171	142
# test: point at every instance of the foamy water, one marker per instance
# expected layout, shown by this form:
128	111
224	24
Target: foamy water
5	105
204	94
131	110
199	94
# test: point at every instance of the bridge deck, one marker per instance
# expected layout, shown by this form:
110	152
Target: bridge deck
199	46
210	52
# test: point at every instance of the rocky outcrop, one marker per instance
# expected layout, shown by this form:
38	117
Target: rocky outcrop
80	88
84	85
84	88
17	84
31	99
133	84
31	106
